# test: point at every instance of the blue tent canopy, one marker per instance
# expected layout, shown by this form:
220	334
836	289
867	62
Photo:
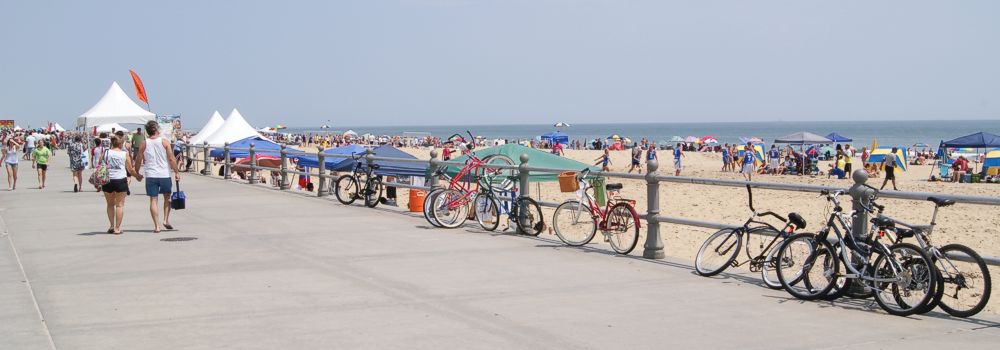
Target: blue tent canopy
835	137
396	168
977	140
556	136
261	146
332	163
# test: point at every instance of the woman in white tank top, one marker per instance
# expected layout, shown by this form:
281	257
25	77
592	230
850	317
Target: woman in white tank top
119	165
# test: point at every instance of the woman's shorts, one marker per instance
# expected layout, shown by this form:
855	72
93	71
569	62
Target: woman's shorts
12	165
43	167
115	186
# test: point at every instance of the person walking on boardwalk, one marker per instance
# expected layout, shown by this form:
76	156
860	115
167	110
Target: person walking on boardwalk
889	162
10	162
155	154
76	152
748	162
119	164
40	158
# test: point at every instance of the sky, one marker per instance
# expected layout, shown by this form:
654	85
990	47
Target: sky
440	62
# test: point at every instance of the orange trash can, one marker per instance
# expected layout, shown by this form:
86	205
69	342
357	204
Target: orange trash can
417	200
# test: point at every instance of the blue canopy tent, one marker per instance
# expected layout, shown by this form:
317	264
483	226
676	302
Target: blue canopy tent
396	168
555	137
261	146
332	163
835	137
977	140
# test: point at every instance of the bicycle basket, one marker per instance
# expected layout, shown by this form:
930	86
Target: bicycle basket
568	182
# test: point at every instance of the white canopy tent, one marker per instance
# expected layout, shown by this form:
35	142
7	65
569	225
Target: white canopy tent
58	127
235	128
114	107
18	128
109	127
214	122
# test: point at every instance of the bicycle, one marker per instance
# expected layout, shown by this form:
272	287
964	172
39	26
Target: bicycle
972	281
721	249
523	212
900	276
348	187
449	207
577	220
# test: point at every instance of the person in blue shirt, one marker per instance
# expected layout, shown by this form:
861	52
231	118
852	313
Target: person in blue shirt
773	158
748	162
678	153
651	153
727	159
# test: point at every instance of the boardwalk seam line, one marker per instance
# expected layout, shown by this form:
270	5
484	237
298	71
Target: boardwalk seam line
27	283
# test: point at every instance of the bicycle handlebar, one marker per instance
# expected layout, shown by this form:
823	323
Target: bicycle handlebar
779	217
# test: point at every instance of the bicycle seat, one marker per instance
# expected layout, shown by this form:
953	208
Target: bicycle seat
613	187
907	233
883	221
375	166
941	202
797	220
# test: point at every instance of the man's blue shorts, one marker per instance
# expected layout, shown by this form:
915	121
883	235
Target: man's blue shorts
156	186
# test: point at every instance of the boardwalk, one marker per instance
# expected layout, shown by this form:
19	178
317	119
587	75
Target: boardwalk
272	270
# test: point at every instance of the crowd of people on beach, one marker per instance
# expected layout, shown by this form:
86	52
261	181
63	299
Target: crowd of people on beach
116	157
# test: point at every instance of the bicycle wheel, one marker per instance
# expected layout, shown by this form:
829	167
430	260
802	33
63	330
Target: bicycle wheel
450	209
623	228
812	266
907	278
529	217
373	191
966	285
501	177
346	189
718	252
573	223
428	204
487	212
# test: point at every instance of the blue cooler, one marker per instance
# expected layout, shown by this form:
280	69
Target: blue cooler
967	178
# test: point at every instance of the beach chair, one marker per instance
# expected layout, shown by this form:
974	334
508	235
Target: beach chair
944	168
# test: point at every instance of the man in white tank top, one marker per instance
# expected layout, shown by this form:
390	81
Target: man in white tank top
154	160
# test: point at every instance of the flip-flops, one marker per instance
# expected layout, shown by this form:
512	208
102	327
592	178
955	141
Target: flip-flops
168	227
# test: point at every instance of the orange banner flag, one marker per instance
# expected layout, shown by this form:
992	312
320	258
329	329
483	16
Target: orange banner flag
140	91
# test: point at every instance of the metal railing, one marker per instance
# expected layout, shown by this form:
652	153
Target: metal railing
653	247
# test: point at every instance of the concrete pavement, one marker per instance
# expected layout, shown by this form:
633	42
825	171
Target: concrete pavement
270	269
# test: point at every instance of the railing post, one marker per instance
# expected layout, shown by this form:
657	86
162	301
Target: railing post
208	168
430	180
284	169
225	161
253	165
322	172
653	248
860	198
523	176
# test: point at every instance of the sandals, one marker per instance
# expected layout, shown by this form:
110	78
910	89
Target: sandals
166	226
111	230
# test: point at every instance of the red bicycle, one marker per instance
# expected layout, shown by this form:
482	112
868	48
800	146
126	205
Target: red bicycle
577	220
449	207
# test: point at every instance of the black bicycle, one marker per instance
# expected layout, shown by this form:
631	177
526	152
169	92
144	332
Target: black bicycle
720	250
523	213
348	188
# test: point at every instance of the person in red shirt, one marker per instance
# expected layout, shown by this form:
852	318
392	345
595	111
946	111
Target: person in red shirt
960	167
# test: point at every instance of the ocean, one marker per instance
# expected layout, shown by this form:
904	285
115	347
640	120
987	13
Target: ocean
889	133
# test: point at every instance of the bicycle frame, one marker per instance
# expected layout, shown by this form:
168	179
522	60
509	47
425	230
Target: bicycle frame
850	246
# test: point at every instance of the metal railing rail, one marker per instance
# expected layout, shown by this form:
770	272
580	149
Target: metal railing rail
653	246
